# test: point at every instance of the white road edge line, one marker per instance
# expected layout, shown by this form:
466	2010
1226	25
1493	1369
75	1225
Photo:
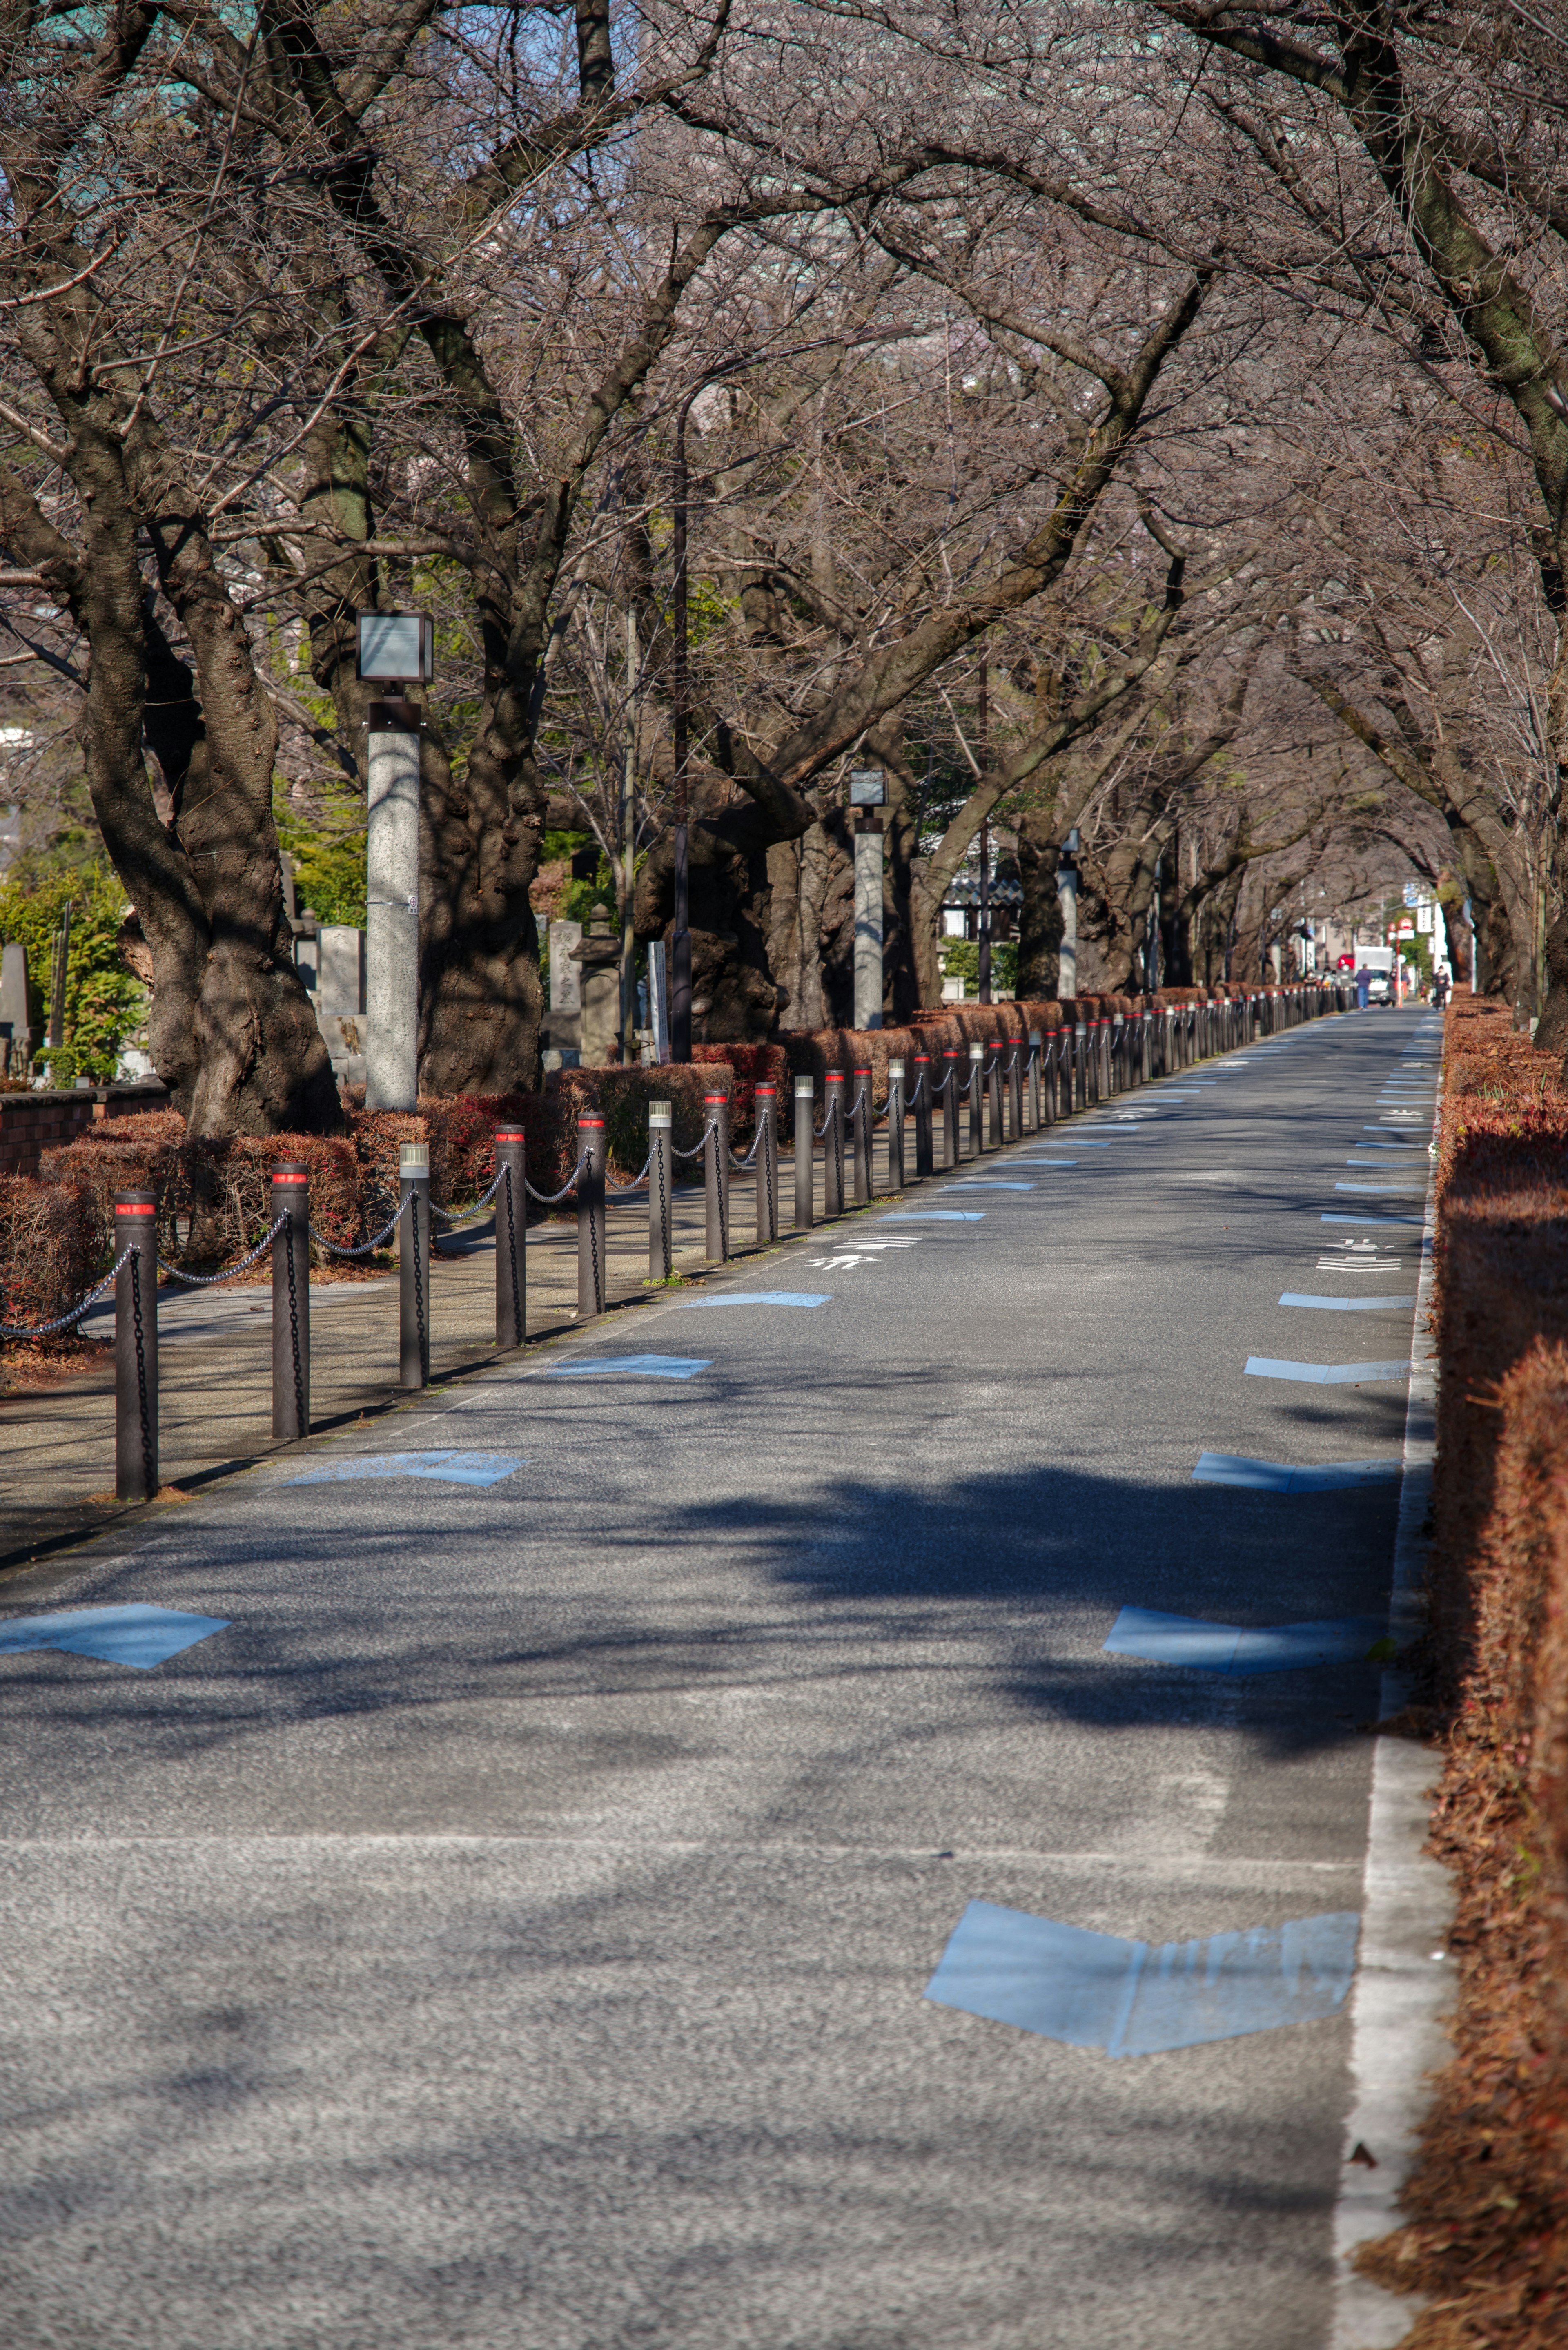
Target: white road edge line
1400	1995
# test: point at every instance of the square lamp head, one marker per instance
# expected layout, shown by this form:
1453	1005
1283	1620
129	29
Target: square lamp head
397	648
868	787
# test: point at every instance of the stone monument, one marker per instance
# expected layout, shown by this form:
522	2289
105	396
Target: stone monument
598	959
564	1020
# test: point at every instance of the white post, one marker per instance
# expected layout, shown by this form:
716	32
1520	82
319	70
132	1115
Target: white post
1067	898
392	910
868	923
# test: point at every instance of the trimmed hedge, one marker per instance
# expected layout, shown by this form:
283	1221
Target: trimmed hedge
49	1243
1488	2232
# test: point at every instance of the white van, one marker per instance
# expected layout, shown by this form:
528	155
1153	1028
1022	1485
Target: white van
1377	962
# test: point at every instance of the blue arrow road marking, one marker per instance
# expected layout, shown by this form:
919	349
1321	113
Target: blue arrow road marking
1324	1374
990	1183
132	1635
447	1468
632	1367
1280	1477
1100	1990
1160	1639
756	1297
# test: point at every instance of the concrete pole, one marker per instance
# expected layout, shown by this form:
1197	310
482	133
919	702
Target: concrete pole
868	922
1067	898
393	908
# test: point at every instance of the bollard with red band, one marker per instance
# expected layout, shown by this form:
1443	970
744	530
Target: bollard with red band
511	1236
291	1302
767	1165
954	1062
414	1265
136	1347
924	1162
716	1176
860	1120
833	1144
591	1218
895	1124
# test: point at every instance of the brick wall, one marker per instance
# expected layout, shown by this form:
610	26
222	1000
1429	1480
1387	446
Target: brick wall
32	1123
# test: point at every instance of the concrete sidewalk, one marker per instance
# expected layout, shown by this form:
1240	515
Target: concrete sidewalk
57	1446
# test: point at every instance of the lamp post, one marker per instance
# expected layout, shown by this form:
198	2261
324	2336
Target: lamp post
869	795
1067	898
395	649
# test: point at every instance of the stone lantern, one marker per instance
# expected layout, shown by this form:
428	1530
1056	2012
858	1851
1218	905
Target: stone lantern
597	957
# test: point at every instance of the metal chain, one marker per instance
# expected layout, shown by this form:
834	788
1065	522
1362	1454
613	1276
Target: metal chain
594	1261
299	1411
149	1467
550	1200
723	1191
461	1215
665	1247
211	1280
636	1183
63	1321
702	1146
385	1231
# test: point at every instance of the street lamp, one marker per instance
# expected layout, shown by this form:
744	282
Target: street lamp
868	792
1067	899
394	649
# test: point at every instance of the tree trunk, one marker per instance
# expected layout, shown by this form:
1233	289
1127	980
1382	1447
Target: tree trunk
1040	916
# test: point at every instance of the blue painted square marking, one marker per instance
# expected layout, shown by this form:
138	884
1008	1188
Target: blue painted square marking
1324	1374
936	1216
989	1183
447	1468
1102	1991
631	1367
1346	1218
134	1635
1419	1185
1188	1640
1345	1305
755	1298
1047	1162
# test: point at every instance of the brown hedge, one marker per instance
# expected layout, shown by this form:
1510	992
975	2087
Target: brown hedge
49	1248
1486	2237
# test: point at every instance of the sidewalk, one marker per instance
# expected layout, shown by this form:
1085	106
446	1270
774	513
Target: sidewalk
57	1446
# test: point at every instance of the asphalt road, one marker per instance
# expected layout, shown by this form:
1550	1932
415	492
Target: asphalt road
512	1930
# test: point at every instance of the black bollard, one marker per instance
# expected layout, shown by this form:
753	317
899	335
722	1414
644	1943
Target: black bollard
976	1103
716	1177
954	1061
1032	1074
1016	1091
924	1162
993	1098
291	1302
805	1154
767	1165
511	1236
860	1120
832	1146
136	1347
414	1265
895	1124
591	1218
660	1218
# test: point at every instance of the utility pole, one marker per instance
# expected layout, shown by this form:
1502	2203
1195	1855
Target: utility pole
983	729
680	943
629	842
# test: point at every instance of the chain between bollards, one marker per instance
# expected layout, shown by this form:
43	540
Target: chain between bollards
924	1162
895	1124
